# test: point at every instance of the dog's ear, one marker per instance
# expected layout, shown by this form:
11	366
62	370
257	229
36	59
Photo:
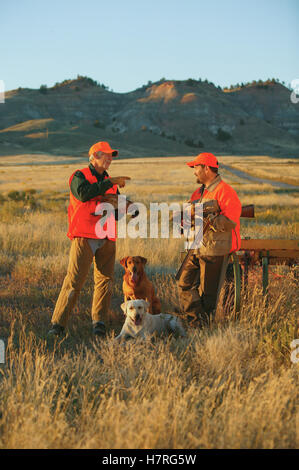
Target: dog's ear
123	261
143	260
124	307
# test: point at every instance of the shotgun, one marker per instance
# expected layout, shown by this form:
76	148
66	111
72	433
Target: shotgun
247	211
113	200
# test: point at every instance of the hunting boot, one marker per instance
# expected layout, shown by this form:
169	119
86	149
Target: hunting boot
99	329
56	330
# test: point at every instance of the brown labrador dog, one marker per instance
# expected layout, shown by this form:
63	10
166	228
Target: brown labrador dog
136	284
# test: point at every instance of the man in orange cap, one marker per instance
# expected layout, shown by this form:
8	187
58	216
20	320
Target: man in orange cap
90	240
203	275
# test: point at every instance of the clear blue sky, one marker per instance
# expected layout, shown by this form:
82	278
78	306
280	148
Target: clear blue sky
126	43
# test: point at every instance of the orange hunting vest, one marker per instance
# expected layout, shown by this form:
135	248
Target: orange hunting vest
81	215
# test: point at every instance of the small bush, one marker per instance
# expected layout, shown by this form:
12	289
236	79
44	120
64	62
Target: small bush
43	89
191	82
223	136
30	191
170	137
16	195
192	143
98	124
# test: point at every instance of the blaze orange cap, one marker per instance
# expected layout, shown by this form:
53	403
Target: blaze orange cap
204	159
102	147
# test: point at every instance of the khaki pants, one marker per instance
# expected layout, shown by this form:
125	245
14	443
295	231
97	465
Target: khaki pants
199	287
80	260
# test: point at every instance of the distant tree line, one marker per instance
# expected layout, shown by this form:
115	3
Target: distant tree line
191	82
80	78
257	83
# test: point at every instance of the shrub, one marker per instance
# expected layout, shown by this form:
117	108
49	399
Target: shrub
30	191
43	89
192	143
99	124
16	195
223	136
170	137
191	82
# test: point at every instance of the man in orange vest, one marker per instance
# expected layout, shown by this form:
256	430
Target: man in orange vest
203	275
90	239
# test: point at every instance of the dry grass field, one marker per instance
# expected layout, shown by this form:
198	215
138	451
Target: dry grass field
232	385
278	169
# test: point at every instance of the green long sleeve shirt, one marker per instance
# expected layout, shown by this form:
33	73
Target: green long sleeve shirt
83	190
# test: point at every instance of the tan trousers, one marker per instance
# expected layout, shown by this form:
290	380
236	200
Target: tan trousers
199	287
80	260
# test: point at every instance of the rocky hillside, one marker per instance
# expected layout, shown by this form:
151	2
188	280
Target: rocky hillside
163	118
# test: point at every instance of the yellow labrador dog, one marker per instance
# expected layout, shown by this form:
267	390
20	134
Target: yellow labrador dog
140	323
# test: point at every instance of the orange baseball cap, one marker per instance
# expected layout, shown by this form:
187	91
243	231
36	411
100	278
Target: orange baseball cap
102	147
204	159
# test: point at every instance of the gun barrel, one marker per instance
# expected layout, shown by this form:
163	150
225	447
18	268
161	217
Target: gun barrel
248	211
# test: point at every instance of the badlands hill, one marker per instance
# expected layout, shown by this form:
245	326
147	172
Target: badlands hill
168	117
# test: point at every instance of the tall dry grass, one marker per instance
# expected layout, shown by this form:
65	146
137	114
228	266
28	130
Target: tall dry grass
231	385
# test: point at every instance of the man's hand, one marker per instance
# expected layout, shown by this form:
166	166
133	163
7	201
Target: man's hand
119	180
221	223
111	198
